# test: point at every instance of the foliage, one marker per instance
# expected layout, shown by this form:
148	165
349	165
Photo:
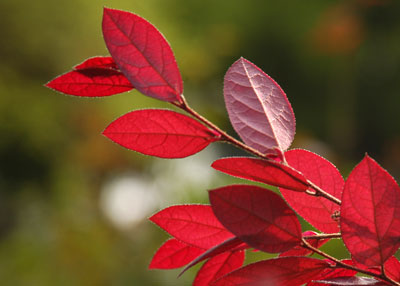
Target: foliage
363	211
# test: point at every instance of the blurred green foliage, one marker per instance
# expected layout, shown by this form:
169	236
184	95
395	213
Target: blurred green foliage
338	61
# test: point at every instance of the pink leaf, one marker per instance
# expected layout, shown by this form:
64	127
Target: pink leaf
257	216
231	245
161	133
351	281
258	108
142	54
301	251
316	210
195	225
98	62
174	254
283	271
91	82
218	266
370	214
264	171
392	268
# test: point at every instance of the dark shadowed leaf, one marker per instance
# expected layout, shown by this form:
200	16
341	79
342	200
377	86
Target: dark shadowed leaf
161	133
218	266
257	216
258	108
317	211
370	214
91	82
283	271
195	225
174	254
142	54
264	171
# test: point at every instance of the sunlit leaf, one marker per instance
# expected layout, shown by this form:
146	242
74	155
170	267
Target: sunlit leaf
258	108
161	133
174	254
195	225
142	54
318	211
370	214
302	251
98	62
264	171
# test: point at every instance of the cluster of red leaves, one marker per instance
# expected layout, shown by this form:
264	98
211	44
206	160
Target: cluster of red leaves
364	210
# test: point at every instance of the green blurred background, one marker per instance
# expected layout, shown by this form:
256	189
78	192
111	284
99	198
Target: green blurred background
73	205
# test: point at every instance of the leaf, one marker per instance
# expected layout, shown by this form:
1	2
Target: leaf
301	251
91	82
392	268
257	216
283	271
231	245
98	62
333	273
351	281
264	171
258	108
174	254
195	225
142	54
317	211
370	214
218	266
161	133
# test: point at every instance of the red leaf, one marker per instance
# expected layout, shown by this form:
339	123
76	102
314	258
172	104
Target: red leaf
370	214
264	171
218	266
195	225
257	216
316	210
142	54
174	254
351	281
392	268
91	82
98	62
301	251
283	271
161	133
258	108
333	273
231	245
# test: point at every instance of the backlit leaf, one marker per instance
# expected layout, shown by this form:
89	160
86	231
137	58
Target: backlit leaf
174	254
370	214
98	62
195	225
142	54
218	266
258	108
257	216
264	171
392	268
91	82
161	133
316	210
283	271
333	273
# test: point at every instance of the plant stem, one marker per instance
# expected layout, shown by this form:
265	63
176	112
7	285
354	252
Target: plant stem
344	265
323	236
229	139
